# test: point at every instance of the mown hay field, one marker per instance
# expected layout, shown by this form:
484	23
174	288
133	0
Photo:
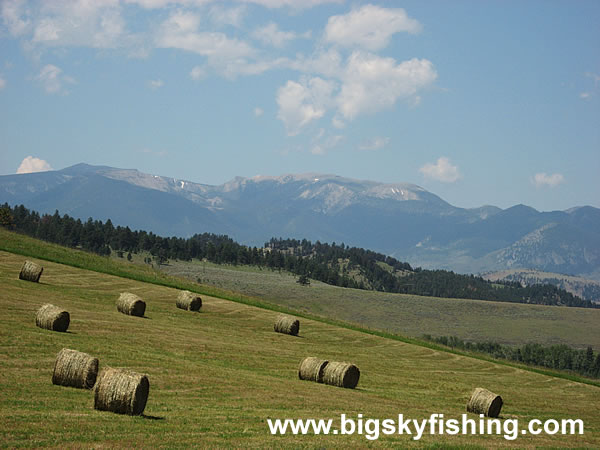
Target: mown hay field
408	315
216	376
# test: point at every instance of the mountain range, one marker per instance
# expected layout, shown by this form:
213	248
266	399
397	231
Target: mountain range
402	220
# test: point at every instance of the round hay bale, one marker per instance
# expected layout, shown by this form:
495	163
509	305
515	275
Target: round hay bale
31	271
75	369
484	402
312	369
131	304
341	374
189	301
53	318
121	391
287	325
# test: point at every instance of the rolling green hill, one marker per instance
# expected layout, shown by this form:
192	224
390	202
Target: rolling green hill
408	315
218	375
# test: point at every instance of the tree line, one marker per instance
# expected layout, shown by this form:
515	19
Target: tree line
335	264
559	357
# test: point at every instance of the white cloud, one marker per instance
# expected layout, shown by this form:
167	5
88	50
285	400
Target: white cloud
540	180
367	83
271	35
231	68
338	123
2	83
442	170
294	4
46	31
155	84
180	31
156	4
52	79
301	103
79	23
372	83
374	144
587	95
370	27
31	164
229	57
14	16
593	76
198	73
327	63
258	112
333	79
321	145
227	16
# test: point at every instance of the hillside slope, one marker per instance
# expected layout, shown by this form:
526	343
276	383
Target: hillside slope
584	288
408	315
218	375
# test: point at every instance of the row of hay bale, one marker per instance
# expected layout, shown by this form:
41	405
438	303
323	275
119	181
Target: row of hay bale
133	305
127	303
333	373
117	390
53	318
342	374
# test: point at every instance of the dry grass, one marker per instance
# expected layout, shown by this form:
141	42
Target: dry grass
409	315
218	376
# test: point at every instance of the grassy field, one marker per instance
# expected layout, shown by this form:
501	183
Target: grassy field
409	315
218	375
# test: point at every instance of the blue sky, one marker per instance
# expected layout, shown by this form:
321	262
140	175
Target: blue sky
480	102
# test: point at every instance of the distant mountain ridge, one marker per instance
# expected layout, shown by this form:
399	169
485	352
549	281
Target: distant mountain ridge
399	219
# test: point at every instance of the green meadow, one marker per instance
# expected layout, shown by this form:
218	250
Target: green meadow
407	315
217	376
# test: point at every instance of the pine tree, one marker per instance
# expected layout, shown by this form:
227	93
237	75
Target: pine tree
588	362
6	218
596	368
303	280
